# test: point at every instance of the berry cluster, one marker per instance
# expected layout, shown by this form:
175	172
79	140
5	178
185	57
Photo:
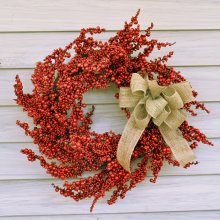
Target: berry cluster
62	128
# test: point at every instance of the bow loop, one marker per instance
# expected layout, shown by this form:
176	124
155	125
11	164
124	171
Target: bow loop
155	106
139	86
173	98
184	90
175	119
127	99
163	105
154	88
141	116
162	116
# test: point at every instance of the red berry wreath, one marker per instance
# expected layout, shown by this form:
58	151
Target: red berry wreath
62	129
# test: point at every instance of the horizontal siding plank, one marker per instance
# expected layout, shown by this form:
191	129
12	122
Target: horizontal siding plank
105	118
39	15
195	215
11	158
23	50
205	80
37	197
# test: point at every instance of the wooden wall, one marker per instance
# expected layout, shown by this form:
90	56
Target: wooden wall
31	29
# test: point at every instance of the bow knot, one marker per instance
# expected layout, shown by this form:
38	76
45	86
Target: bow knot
163	105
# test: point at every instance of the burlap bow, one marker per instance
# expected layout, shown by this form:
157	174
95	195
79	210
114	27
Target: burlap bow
163	105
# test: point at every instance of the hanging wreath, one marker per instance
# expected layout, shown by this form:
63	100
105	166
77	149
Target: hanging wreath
152	94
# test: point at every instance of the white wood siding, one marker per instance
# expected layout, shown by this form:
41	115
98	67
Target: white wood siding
31	29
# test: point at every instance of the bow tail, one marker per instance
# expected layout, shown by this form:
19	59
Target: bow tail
129	138
178	145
